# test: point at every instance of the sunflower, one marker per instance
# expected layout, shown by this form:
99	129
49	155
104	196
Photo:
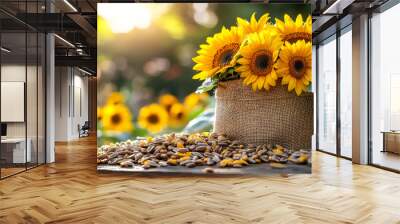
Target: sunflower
99	113
167	100
257	61
292	31
115	98
195	99
117	118
153	117
177	115
218	54
295	65
254	26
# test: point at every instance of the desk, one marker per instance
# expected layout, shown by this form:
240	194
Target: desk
391	141
15	148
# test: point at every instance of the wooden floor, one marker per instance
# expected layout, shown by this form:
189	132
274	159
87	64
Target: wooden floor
10	171
70	191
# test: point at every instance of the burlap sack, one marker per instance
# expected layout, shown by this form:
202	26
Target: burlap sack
259	117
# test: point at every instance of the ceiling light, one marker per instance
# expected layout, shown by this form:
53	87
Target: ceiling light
84	71
338	6
5	50
70	5
65	41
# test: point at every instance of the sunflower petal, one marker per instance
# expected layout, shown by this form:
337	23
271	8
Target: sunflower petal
299	20
260	82
292	84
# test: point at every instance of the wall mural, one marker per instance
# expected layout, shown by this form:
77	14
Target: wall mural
204	88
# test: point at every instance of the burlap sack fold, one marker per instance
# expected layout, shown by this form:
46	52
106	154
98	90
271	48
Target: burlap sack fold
260	117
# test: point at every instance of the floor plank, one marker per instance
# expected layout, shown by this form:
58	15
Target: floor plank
71	191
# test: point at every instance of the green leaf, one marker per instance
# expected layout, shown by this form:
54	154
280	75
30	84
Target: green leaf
208	85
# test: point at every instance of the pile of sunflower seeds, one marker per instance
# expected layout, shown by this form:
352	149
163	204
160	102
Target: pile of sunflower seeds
200	149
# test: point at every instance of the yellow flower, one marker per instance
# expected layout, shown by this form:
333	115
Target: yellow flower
254	26
153	117
195	99
115	98
292	31
167	100
294	65
177	115
99	113
258	58
117	118
218	54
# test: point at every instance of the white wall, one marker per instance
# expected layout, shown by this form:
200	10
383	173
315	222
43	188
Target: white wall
13	73
71	93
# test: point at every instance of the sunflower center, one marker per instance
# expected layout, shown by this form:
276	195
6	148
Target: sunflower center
293	37
261	63
224	55
153	119
297	67
179	115
116	119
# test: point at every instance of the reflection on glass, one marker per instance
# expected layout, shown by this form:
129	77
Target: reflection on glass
327	96
385	86
346	94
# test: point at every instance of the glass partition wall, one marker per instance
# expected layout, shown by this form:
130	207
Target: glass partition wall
326	95
345	91
334	92
385	90
22	107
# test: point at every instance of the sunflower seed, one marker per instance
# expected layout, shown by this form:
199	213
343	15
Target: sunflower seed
208	170
196	150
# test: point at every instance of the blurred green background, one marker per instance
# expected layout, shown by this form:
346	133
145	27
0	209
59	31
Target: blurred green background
145	51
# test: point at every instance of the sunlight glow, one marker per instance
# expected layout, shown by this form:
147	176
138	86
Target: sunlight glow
124	17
